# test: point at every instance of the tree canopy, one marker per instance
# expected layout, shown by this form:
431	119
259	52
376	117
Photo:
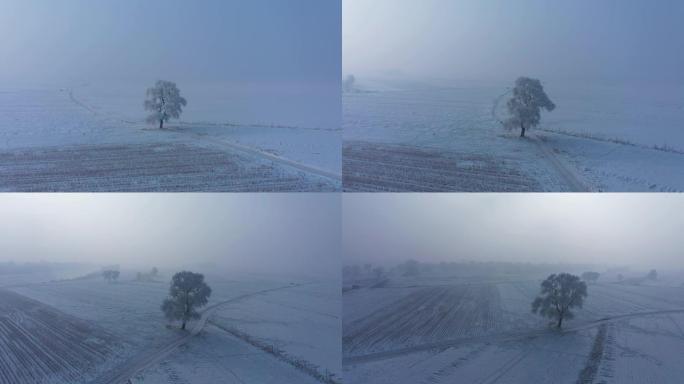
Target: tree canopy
187	293
560	293
164	101
526	103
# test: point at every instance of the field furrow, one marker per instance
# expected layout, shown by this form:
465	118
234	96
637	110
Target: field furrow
38	343
401	168
148	167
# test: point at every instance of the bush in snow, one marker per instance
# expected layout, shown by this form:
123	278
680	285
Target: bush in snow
187	293
560	293
165	102
526	104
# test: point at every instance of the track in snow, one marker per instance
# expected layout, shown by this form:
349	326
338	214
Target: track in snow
571	178
129	368
504	337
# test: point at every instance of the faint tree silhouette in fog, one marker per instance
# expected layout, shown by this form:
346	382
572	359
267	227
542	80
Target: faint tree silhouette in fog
110	275
348	84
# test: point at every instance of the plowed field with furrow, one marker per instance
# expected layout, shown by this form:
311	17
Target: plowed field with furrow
163	167
40	344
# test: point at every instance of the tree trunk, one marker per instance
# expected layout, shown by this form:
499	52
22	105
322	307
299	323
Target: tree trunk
560	321
183	325
161	123
522	130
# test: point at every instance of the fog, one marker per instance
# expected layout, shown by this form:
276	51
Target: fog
269	51
641	230
608	41
262	233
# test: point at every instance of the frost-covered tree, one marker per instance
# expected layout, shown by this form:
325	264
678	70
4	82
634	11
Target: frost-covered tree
379	272
559	294
526	104
187	293
591	277
165	102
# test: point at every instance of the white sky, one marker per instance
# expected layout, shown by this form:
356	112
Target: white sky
295	233
611	40
616	229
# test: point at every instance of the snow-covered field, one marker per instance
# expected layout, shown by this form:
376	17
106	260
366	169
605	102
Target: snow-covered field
93	138
428	138
439	328
250	332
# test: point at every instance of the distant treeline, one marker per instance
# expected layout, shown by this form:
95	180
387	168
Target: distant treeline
414	267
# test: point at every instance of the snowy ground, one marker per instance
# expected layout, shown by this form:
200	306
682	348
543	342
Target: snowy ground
600	138
139	345
427	331
90	138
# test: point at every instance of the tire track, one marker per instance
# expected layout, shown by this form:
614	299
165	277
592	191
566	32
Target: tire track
264	155
129	368
499	373
565	171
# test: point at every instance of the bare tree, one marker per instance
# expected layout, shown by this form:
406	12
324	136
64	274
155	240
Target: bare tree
560	293
165	102
526	104
187	293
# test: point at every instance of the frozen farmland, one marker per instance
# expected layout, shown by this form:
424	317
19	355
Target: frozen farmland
446	326
86	330
94	138
449	137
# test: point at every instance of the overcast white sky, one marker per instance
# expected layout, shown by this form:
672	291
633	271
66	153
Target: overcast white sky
611	40
616	229
211	40
295	233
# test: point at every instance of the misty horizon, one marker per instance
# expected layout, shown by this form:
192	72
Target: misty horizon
498	40
607	229
219	232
